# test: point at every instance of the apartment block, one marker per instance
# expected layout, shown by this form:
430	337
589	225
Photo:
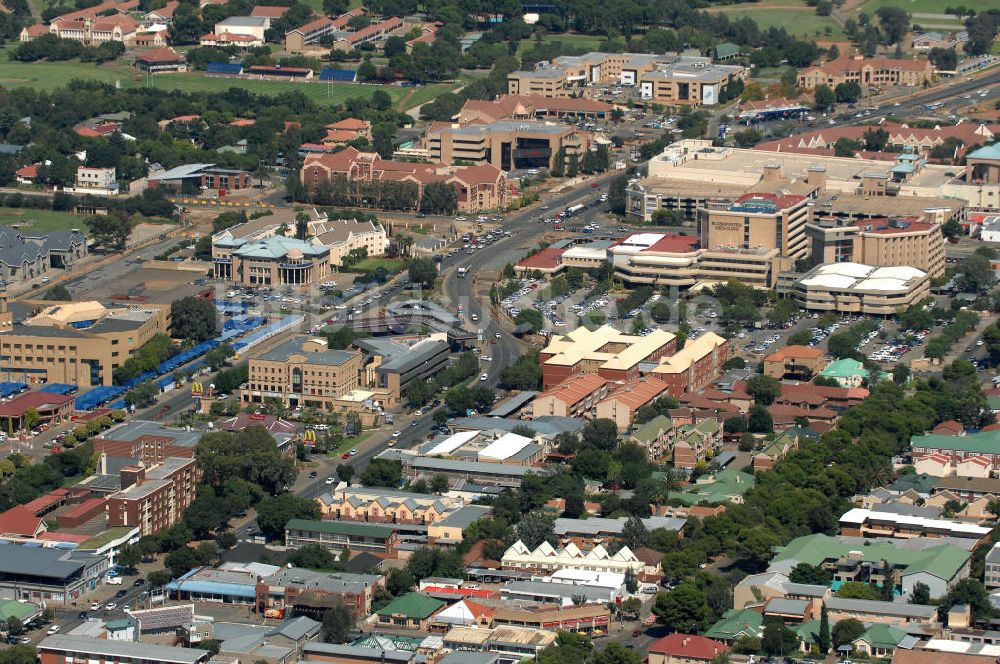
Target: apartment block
302	372
860	522
339	536
574	397
868	72
153	498
605	351
694	367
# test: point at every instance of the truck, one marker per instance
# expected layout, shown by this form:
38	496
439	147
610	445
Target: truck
462	272
573	209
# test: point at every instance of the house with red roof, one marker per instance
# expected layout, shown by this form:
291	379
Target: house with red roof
547	261
230	39
27	174
19	523
680	648
164	14
160	61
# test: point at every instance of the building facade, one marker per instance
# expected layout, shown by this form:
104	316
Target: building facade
302	372
272	261
154	498
339	535
868	72
856	288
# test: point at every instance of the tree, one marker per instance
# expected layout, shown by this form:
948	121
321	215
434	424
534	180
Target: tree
531	317
193	319
764	389
778	639
631	581
810	574
846	631
345	472
129	556
684	609
226	540
824	97
895	23
634	534
974	274
439	483
14	626
423	272
535	528
337	623
616	653
857	590
824	631
399	582
875	139
847	93
439	198
660	312
313	556
301	225
601	433
759	420
921	594
59	293
19	654
382	472
274	512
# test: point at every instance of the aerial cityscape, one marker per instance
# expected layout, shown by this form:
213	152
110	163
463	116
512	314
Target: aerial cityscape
499	332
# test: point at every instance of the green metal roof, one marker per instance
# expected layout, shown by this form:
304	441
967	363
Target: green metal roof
728	482
808	631
339	528
736	623
726	50
921	483
985	152
880	635
844	368
20	610
648	431
941	561
984	441
416	606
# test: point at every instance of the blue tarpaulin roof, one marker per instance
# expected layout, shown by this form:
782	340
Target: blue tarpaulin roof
7	388
99	395
165	382
58	388
347	75
227	68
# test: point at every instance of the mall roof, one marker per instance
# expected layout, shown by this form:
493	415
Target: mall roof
293	346
121	650
857	276
452	443
505	447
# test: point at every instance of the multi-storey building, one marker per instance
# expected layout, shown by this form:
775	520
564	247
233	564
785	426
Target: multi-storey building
880	241
505	144
80	343
153	498
757	220
302	372
956	449
861	522
271	261
376	32
605	351
867	72
62	648
50	576
802	362
96	180
342	236
857	288
377	505
665	79
573	397
341	535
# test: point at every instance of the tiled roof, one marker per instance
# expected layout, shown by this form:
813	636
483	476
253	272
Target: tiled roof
794	352
546	259
160	55
688	646
19	520
575	388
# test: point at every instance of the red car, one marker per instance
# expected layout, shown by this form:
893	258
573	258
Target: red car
345	455
493	341
56	450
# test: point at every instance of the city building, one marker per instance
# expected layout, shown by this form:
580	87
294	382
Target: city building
954	450
483	473
374	33
272	261
340	535
195	178
573	397
854	288
758	220
880	241
230	39
153	498
797	362
621	405
664	79
927	41
390	365
680	648
532	107
693	443
60	648
103	22
694	367
868	72
96	181
304	372
478	188
412	611
505	144
594	531
609	353
861	522
79	343
161	61
149	442
546	558
582	618
55	576
342	236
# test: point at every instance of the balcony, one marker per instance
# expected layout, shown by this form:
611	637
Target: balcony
222	259
296	266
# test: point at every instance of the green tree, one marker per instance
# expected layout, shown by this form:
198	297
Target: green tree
274	512
14	626
684	609
382	472
531	317
846	631
313	556
345	472
337	623
631	581
824	97
857	590
59	293
764	389
921	594
778	639
194	319
19	654
110	231
535	528
810	574
423	272
616	653
824	631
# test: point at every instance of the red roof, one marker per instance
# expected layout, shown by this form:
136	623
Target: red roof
40	401
546	259
689	646
27	171
19	520
42	503
781	201
160	55
352	124
84	508
804	352
672	243
37	30
63	537
242	122
268	11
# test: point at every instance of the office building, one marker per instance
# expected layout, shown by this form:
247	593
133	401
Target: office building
302	372
761	221
574	397
94	180
339	535
669	78
194	178
478	188
79	343
868	72
853	288
505	144
54	576
147	441
390	365
273	261
153	498
897	242
605	351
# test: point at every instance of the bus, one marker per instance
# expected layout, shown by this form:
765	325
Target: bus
573	209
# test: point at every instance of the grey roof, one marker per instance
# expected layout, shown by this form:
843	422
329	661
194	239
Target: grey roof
509	406
246	21
294	346
62	240
882	608
478	467
340	582
787	606
806	589
466	657
138	428
362	654
555	591
9	148
180	172
49	563
994	554
595	525
121	649
463	517
298	629
545	425
414	357
363	562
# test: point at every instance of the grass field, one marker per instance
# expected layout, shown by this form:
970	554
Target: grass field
792	15
926	7
370	264
589	42
41	220
51	75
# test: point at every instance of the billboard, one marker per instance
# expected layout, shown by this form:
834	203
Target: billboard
710	94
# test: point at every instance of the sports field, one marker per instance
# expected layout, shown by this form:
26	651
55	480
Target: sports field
369	264
926	7
588	42
51	75
41	220
792	15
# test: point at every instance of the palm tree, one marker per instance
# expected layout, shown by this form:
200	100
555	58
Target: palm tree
404	242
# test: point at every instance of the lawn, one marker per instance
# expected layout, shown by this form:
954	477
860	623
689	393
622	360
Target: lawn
371	264
926	7
425	93
51	75
41	220
588	42
348	444
792	15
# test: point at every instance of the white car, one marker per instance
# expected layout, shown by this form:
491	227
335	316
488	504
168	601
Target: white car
94	606
52	630
483	378
340	307
496	334
110	606
329	480
397	434
486	358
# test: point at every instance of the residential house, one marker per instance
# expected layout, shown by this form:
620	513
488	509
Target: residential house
412	611
654	436
774	451
696	443
799	362
680	648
